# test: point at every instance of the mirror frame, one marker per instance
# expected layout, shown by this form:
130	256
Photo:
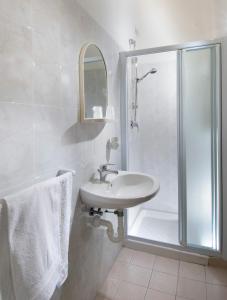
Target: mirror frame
81	84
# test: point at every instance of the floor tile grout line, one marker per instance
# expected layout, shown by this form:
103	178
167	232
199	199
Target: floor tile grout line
145	294
216	284
152	271
184	277
166	273
145	268
130	282
178	277
150	279
134	264
161	291
149	282
164	293
204	281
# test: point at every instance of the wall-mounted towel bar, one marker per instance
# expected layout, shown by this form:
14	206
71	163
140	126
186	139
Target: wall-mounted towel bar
63	171
32	182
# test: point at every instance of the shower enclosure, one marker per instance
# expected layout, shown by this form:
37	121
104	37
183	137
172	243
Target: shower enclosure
171	129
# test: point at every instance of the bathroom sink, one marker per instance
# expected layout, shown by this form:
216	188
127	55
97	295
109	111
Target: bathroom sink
124	190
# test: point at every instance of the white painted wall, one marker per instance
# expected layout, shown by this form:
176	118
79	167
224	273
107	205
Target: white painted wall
116	17
154	22
219	18
163	22
159	22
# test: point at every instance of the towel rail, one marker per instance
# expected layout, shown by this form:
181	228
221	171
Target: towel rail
63	171
32	182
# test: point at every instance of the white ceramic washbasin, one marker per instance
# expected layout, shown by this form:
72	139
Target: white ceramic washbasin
124	190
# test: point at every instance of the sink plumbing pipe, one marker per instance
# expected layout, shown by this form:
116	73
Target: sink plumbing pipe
114	237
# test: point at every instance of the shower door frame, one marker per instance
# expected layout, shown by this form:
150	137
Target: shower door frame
125	150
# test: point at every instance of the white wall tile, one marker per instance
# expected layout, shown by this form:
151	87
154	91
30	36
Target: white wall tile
40	42
16	11
16	63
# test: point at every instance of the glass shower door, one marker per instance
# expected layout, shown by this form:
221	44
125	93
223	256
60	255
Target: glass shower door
199	147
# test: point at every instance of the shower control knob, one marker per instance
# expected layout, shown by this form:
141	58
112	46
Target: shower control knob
134	124
134	106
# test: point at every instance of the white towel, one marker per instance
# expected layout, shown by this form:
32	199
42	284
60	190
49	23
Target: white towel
38	236
6	289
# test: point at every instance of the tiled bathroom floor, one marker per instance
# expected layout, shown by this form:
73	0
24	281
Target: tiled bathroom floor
137	275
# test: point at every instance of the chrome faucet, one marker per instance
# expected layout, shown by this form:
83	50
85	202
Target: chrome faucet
104	171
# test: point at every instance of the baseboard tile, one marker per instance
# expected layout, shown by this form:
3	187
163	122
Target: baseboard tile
217	262
167	252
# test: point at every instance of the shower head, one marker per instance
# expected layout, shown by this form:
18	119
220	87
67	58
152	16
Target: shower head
152	71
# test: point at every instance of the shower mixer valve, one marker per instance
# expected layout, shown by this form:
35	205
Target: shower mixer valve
134	106
134	124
